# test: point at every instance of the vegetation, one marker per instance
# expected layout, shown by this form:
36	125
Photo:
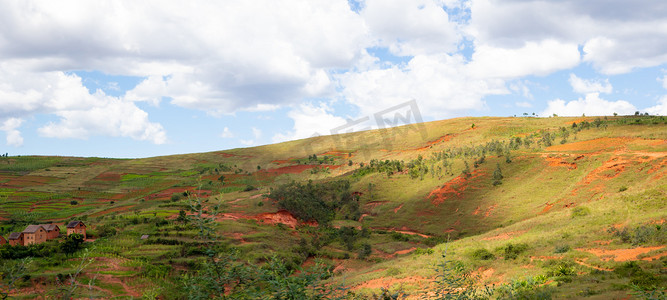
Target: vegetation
521	208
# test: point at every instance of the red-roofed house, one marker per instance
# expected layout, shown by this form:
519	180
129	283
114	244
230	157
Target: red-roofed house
76	227
34	234
52	231
16	238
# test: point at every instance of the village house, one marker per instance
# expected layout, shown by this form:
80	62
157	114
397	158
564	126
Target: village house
34	234
76	227
16	238
2	240
52	231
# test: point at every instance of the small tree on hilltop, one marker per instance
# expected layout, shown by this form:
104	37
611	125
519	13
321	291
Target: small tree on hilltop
72	243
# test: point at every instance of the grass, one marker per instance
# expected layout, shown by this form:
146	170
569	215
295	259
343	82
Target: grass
554	209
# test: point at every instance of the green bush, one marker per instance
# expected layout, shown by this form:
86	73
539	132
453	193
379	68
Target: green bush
512	251
562	248
482	254
580	211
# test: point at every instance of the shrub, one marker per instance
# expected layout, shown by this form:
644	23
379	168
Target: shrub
365	251
175	197
482	254
623	189
562	248
74	202
580	211
512	251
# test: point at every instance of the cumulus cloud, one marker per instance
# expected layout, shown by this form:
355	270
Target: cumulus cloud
214	56
409	27
440	84
81	113
310	120
660	108
590	105
532	58
584	86
617	36
10	126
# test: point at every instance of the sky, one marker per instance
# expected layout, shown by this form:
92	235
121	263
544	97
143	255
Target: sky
148	78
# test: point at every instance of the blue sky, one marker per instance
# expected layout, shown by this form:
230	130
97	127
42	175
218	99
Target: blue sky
139	79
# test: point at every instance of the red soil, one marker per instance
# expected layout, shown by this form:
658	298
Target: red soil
558	161
451	189
406	251
583	263
279	217
477	211
620	254
376	284
374	204
398	208
488	211
591	145
108	176
403	230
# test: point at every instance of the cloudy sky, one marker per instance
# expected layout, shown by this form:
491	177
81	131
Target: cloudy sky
147	78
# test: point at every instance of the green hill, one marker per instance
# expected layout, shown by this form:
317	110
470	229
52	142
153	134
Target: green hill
533	207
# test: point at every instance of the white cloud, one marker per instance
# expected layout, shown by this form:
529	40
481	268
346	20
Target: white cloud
226	133
617	36
219	57
591	105
439	83
533	58
410	27
81	113
10	126
660	108
583	86
310	120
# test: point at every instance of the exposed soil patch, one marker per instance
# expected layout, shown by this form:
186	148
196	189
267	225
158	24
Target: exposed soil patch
620	254
490	210
591	145
583	263
374	204
403	230
451	189
406	251
398	208
279	217
108	176
376	284
560	161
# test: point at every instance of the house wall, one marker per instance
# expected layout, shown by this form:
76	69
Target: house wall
17	242
2	240
53	234
35	238
80	229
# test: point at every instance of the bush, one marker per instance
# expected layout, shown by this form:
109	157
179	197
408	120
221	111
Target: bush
365	251
580	211
562	248
623	189
482	254
74	202
512	251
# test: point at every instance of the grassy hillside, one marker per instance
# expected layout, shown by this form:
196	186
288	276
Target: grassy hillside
535	207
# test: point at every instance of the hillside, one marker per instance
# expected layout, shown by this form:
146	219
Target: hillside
537	207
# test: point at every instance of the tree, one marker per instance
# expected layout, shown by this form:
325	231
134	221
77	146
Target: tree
497	176
72	243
